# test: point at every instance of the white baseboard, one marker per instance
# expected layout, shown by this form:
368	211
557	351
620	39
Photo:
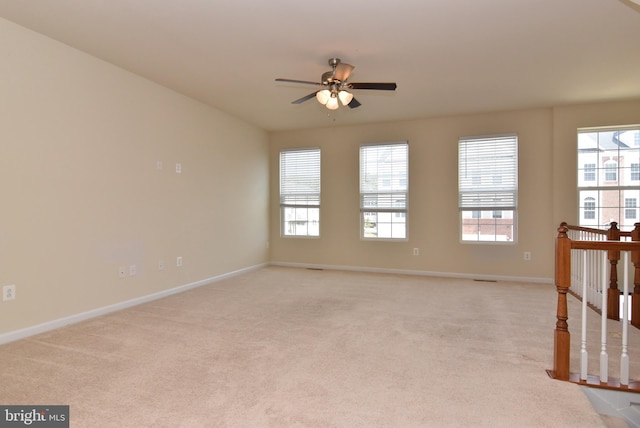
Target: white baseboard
479	277
61	322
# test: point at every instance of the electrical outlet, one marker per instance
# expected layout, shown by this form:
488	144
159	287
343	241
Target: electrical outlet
122	272
161	265
8	292
179	261
159	165
178	168
132	270
527	255
416	251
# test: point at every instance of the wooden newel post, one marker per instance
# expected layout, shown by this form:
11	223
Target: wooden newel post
561	337
635	297
613	296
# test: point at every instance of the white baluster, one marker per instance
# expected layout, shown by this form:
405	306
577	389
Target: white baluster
624	357
584	355
594	278
604	358
589	276
576	271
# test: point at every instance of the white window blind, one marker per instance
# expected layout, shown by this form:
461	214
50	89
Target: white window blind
300	192
488	173
300	178
384	177
384	180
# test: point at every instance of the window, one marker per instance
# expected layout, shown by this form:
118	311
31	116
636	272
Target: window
589	208
630	205
300	192
610	170
590	172
488	188
613	194
384	178
635	172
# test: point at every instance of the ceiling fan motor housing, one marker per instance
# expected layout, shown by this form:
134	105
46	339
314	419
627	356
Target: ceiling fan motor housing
327	77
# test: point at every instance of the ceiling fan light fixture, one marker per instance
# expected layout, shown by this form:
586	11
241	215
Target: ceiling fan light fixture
323	96
332	103
345	97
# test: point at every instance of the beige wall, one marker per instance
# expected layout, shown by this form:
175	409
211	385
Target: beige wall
81	194
547	184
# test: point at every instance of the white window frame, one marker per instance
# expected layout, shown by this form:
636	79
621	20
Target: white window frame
487	183
615	152
300	176
384	209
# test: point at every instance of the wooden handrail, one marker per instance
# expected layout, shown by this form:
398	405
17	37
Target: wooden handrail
614	226
605	245
563	247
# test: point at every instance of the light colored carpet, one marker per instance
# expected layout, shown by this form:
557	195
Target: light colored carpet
284	347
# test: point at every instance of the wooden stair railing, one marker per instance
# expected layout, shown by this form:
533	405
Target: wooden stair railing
615	234
562	338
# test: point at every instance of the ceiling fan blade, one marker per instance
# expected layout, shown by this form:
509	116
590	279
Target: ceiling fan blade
305	98
354	103
376	86
343	71
305	82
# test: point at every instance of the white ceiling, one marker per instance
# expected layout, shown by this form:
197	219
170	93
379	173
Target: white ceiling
447	56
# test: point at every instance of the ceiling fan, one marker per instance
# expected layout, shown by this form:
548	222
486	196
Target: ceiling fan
335	86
